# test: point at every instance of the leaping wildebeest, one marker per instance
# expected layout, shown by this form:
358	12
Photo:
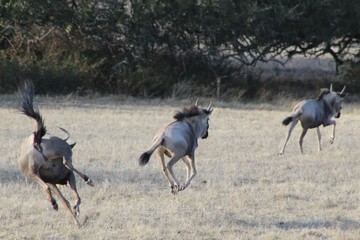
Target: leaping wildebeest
47	159
314	113
178	140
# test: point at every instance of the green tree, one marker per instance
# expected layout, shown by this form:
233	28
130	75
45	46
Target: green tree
141	47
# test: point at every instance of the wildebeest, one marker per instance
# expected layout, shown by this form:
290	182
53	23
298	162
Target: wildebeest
314	113
47	159
178	140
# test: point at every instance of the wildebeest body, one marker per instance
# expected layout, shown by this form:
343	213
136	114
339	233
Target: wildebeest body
314	113
47	159
178	140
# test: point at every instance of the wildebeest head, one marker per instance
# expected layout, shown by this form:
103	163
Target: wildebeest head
333	99
205	120
200	117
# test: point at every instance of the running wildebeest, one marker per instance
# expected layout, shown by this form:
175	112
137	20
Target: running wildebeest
47	160
314	113
178	140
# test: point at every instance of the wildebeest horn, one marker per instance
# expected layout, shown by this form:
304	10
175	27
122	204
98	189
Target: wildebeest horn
331	87
196	102
209	107
343	90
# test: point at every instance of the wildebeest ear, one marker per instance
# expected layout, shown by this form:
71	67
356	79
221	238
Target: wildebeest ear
208	112
342	95
72	145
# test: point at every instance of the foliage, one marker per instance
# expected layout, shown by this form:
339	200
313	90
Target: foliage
350	73
147	47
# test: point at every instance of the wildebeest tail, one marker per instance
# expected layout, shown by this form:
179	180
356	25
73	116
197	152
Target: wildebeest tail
287	120
26	96
145	157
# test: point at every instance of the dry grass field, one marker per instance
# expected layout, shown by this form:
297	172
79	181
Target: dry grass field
243	190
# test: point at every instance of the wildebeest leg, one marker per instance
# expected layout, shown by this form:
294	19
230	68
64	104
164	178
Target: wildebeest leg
72	184
293	124
331	122
170	165
186	160
46	187
319	137
69	165
165	170
333	133
301	139
193	173
65	202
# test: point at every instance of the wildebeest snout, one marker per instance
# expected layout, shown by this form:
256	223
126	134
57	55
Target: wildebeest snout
206	135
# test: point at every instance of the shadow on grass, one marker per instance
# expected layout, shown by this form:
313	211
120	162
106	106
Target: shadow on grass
343	224
10	176
140	177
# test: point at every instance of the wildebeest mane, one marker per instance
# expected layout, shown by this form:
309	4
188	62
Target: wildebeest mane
323	92
187	112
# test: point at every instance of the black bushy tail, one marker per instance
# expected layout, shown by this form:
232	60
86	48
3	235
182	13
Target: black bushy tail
144	158
26	96
287	120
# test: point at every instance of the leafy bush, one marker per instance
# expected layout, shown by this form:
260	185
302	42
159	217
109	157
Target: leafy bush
155	48
350	75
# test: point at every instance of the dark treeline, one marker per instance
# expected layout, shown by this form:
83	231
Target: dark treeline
163	48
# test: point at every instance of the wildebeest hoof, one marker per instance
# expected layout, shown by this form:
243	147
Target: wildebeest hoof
182	187
76	211
331	140
77	223
55	206
90	182
174	189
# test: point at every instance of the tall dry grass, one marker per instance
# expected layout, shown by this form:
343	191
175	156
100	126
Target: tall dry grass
243	189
